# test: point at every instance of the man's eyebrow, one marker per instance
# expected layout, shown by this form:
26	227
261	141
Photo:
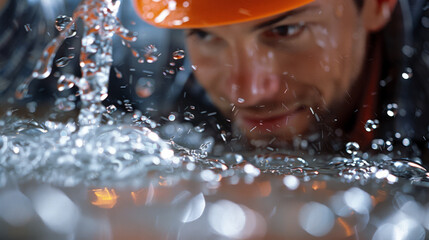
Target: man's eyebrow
283	16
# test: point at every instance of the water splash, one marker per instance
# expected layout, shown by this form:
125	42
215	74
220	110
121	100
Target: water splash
84	156
392	109
371	125
100	24
352	148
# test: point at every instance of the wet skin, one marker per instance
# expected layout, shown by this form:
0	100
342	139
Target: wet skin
270	75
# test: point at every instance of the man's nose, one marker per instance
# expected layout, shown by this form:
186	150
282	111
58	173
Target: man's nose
252	79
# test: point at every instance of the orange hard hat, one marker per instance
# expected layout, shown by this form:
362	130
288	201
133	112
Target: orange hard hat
206	13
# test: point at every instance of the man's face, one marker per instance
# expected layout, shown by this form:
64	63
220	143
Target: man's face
278	77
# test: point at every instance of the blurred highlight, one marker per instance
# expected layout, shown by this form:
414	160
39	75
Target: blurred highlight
105	198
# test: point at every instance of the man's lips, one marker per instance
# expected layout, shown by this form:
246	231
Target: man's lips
268	120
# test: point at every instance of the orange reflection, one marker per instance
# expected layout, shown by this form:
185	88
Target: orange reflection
143	196
163	181
349	231
318	185
379	197
415	165
151	194
105	198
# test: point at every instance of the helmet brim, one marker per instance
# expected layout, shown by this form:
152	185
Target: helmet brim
210	13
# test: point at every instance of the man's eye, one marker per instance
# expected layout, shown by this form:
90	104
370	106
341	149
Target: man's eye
202	35
284	31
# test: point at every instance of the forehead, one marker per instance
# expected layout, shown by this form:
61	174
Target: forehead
318	8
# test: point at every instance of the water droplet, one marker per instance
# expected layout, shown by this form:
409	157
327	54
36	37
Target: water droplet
21	91
111	108
182	68
31	106
240	100
406	142
200	128
280	161
27	27
188	116
65	82
62	62
151	54
406	75
169	72
377	144
392	109
179	54
145	87
389	146
352	148
103	96
118	73
137	116
126	34
172	117
151	59
371	125
135	53
194	67
63	104
62	21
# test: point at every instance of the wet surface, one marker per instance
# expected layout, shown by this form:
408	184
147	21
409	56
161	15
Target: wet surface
168	206
124	182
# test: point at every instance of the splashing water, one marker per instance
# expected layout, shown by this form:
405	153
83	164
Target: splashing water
392	109
88	152
352	148
371	125
100	24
